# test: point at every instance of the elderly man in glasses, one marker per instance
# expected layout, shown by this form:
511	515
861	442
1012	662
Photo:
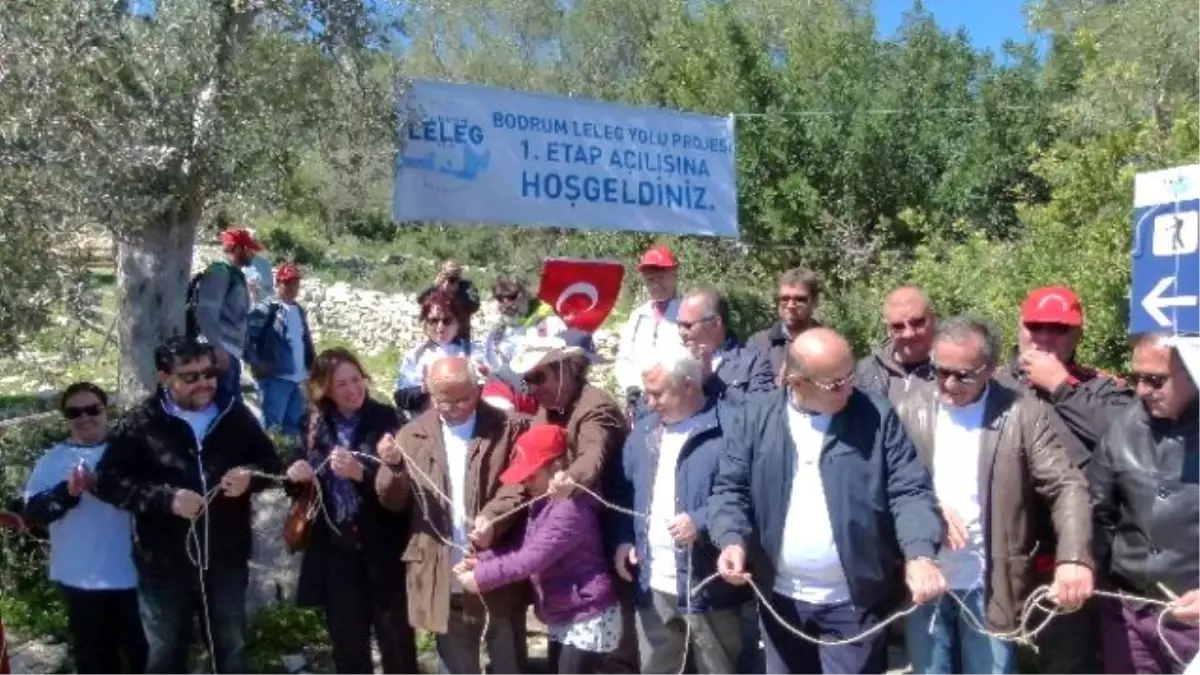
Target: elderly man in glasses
181	462
910	322
1145	481
997	465
821	500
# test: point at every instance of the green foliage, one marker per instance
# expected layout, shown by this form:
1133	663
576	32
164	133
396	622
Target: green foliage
282	630
28	601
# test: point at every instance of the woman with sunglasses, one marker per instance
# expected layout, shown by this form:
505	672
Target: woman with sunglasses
441	319
90	540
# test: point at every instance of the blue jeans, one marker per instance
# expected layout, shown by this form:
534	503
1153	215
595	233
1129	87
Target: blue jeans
169	604
936	630
282	403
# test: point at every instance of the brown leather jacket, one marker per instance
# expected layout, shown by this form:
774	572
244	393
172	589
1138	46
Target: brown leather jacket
427	557
596	430
1027	484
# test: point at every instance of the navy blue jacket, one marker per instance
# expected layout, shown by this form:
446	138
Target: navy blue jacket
742	371
632	486
879	495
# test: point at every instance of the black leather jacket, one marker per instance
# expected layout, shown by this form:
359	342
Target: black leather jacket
1144	480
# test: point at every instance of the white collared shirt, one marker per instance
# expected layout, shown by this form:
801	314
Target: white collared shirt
958	434
809	568
642	336
456	439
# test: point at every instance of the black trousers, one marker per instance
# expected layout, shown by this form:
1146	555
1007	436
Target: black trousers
352	611
106	631
574	660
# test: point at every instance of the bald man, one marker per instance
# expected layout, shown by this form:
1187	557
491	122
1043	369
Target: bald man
909	322
822	501
461	445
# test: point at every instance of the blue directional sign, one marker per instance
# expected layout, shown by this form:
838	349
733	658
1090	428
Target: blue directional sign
1166	252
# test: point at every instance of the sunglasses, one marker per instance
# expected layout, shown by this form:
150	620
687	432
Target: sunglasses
506	297
1151	380
793	299
915	324
963	376
74	413
535	379
1051	328
439	321
194	376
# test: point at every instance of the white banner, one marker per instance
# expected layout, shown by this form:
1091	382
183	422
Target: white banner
482	154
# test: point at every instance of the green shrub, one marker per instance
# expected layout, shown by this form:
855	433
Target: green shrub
28	601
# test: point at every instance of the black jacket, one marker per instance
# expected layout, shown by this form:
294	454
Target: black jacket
379	534
773	342
1146	501
153	453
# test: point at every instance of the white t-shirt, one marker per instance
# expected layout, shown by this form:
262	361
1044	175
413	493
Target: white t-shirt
957	437
295	336
420	358
809	568
91	546
457	437
663	508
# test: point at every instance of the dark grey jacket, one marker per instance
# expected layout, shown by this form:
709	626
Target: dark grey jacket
883	374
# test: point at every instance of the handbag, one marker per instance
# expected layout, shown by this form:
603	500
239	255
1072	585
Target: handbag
296	528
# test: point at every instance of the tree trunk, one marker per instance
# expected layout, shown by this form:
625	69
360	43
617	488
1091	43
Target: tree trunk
153	269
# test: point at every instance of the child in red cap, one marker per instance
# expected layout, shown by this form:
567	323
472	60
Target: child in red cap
562	555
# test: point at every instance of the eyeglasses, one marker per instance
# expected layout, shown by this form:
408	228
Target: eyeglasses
1151	380
506	297
793	299
193	376
963	376
1051	328
688	325
535	379
74	413
915	324
439	320
829	386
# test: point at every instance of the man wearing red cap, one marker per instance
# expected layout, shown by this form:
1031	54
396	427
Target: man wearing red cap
1082	401
218	306
280	352
651	326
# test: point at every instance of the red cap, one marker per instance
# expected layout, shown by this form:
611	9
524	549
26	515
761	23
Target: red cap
288	272
657	257
1052	304
239	236
499	395
536	448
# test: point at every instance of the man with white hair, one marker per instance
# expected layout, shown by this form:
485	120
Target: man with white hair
667	469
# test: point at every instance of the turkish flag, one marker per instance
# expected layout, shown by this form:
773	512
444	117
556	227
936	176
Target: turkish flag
582	292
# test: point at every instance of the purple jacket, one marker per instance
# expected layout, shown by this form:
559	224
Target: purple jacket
562	554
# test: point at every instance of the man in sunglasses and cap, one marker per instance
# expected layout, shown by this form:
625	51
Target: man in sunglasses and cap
997	466
1082	403
554	372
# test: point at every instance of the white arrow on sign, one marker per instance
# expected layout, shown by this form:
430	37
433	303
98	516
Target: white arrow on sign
1154	302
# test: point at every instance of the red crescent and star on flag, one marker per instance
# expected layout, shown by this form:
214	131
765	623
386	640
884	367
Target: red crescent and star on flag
582	292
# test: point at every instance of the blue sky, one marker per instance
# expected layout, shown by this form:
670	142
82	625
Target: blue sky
988	22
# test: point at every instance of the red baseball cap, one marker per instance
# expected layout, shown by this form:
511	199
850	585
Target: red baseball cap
287	272
239	236
536	448
1052	304
659	257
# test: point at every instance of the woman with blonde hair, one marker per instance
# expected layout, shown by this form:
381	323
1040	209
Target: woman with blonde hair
352	567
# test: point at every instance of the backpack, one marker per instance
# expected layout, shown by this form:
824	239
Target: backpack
192	326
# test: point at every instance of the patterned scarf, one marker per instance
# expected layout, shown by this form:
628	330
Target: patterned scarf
341	490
